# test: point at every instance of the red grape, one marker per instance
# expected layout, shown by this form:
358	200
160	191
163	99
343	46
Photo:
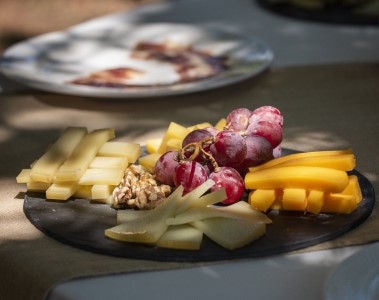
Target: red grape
258	151
212	130
277	151
196	136
250	137
231	180
271	131
266	113
229	148
189	174
266	121
165	167
238	119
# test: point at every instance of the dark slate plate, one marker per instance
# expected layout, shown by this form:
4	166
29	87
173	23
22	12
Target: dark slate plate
332	13
81	224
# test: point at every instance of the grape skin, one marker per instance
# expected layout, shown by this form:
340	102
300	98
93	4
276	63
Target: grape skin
271	131
266	121
165	167
277	151
231	180
229	148
267	113
238	119
258	151
189	174
196	136
212	130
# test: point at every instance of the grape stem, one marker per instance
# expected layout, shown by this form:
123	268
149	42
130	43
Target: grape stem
192	148
197	149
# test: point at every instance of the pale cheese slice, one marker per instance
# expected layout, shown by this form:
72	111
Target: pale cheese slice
75	166
44	169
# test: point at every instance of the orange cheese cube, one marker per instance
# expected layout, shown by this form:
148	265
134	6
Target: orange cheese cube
315	201
294	199
346	201
262	199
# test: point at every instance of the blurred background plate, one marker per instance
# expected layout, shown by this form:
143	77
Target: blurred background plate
357	277
48	62
348	12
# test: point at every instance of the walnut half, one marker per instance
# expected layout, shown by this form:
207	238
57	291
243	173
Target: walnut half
139	189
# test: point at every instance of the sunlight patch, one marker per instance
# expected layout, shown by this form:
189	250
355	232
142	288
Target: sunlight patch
60	118
5	134
18	226
310	141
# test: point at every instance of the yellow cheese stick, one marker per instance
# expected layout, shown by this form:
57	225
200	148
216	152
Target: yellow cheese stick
44	169
36	186
102	193
104	162
61	191
83	191
343	162
23	176
148	161
315	201
220	124
75	166
339	203
130	150
175	131
287	160
353	188
152	145
346	201
294	199
173	144
101	176
262	200
317	178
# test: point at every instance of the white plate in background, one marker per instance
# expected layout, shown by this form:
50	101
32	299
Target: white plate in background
355	278
48	62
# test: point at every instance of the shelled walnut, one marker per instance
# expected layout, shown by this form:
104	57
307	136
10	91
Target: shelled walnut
139	189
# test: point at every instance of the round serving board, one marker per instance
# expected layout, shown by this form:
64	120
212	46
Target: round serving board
81	224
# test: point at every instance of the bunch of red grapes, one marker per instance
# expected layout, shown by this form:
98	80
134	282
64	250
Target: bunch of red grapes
250	138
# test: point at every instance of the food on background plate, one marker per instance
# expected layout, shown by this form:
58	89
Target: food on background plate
192	181
158	64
